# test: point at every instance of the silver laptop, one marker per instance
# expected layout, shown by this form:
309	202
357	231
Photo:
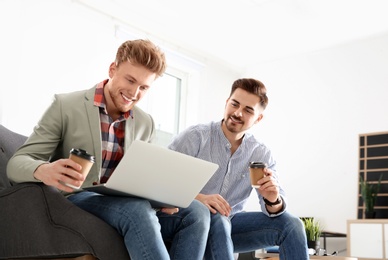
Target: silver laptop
164	177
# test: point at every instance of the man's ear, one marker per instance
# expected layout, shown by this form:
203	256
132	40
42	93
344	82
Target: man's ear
112	69
259	118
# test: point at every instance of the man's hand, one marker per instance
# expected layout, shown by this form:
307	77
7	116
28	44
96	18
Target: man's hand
215	203
269	189
59	172
169	211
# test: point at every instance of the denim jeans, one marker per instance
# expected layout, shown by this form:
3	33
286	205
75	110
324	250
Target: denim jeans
145	231
249	231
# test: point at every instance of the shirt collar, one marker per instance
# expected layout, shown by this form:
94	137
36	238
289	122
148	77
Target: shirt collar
221	135
99	101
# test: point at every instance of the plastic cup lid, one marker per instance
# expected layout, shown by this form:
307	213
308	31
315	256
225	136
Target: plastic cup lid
83	154
257	165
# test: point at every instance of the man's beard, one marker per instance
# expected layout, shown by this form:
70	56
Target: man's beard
122	107
232	125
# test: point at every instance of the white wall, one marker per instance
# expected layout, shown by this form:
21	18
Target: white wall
48	47
60	46
319	102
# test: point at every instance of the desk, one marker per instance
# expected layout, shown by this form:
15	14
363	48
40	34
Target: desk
276	257
326	234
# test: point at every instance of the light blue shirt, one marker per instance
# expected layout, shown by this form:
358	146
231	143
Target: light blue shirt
231	180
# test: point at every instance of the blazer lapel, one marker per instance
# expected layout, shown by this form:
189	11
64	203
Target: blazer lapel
129	132
94	124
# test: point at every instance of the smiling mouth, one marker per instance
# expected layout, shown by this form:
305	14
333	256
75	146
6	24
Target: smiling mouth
235	120
128	100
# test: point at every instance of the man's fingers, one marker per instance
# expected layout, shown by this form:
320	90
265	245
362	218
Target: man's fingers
64	188
170	211
215	203
220	205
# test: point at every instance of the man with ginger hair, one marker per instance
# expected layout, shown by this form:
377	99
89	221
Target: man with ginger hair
104	120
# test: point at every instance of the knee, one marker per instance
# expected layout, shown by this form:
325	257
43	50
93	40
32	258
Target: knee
219	221
294	224
200	209
199	214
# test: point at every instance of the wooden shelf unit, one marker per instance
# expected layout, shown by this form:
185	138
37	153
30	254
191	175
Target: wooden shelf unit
373	162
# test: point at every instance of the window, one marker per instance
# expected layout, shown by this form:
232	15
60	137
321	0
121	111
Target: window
166	100
163	103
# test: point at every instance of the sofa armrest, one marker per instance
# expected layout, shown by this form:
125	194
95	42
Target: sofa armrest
38	221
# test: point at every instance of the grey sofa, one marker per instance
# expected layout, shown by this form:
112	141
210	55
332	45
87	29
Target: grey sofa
38	222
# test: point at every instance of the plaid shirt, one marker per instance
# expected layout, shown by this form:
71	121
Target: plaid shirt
112	135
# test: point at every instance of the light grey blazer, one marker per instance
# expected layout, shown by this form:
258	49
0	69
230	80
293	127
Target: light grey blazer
72	121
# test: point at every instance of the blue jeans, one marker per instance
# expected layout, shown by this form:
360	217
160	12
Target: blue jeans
249	231
145	231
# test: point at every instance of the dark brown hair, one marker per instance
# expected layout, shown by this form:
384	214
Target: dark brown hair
252	86
142	52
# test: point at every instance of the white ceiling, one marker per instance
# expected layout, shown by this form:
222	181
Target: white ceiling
242	33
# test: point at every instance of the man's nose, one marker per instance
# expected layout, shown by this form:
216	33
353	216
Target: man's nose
137	91
238	112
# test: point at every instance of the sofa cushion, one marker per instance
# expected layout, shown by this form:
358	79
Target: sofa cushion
41	223
9	143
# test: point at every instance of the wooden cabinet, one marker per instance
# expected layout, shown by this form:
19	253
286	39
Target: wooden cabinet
373	155
367	239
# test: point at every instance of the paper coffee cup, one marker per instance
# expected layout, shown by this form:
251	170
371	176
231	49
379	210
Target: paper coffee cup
256	171
84	159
